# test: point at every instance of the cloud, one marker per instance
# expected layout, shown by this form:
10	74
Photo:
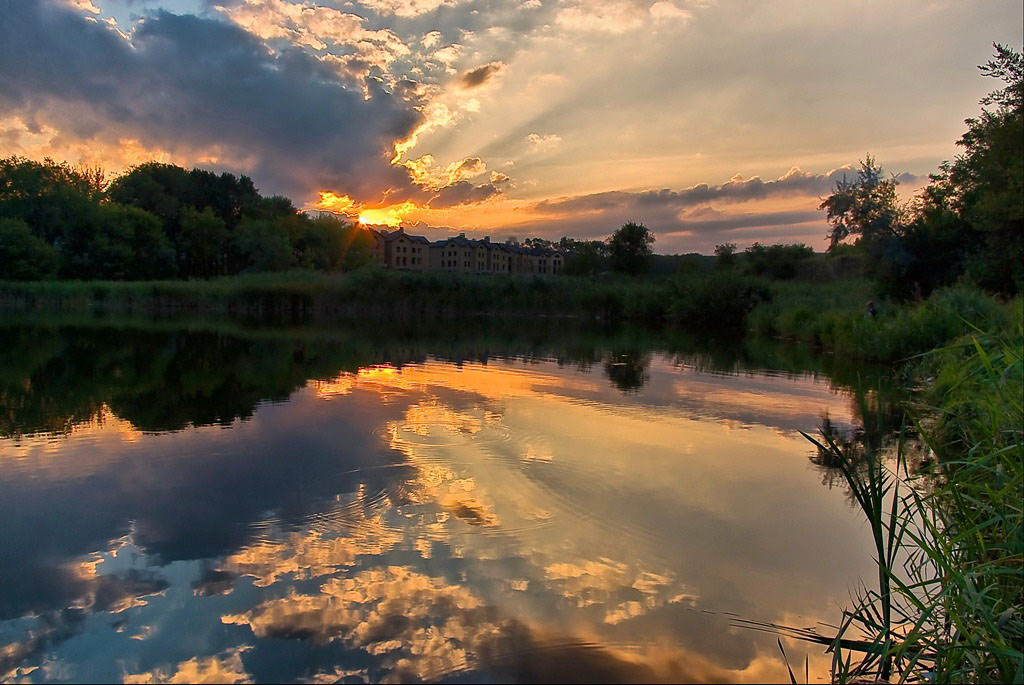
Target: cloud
466	168
449	54
319	28
226	667
539	143
475	78
431	39
405	8
725	222
462	193
737	189
601	16
185	83
667	11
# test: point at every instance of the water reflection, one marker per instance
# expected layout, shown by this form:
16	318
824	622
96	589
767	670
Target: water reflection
364	505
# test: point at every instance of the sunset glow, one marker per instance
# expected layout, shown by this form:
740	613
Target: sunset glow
462	115
386	216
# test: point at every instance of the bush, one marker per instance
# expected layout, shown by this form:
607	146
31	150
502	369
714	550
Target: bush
778	262
719	300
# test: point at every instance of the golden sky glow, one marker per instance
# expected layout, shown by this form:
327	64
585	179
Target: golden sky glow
534	117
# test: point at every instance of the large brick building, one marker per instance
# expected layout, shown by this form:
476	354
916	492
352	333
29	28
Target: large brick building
459	254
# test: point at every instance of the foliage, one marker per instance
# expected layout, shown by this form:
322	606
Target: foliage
833	317
981	192
718	300
117	243
262	246
160	220
969	220
866	207
584	257
725	256
778	262
52	198
202	238
949	543
629	248
24	256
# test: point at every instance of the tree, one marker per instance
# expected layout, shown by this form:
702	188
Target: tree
50	197
629	248
165	190
725	256
866	208
262	246
117	243
980	195
202	241
585	258
24	256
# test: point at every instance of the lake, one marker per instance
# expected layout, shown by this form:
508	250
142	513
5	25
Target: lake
206	501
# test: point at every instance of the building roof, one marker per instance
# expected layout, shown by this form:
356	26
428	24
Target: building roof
400	233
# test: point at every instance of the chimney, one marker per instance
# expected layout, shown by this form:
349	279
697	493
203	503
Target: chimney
462	235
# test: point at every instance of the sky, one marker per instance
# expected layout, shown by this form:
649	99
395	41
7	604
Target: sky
710	121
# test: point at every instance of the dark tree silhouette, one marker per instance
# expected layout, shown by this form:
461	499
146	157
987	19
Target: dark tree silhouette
629	248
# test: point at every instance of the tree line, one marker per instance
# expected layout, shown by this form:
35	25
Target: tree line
967	223
158	221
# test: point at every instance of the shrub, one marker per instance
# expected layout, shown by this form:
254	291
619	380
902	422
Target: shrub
718	300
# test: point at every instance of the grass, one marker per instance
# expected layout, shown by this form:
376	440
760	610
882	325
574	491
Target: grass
833	317
949	540
369	292
830	316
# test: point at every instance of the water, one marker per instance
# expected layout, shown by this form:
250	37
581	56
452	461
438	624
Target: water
198	501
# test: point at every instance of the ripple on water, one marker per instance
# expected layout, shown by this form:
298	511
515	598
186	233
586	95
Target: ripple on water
516	654
426	434
345	513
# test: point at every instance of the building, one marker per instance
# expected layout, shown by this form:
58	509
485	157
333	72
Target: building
404	251
377	248
459	254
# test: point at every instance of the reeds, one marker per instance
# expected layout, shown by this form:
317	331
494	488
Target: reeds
949	539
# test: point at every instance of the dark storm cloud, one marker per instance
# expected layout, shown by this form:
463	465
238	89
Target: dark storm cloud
187	83
475	78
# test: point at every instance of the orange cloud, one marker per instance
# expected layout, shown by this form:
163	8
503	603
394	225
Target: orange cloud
332	202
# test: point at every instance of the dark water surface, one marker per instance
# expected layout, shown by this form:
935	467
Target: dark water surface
185	502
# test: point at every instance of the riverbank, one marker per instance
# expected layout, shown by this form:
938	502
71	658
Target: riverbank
828	316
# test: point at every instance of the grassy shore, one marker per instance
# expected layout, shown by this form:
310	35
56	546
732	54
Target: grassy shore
948	530
827	316
365	293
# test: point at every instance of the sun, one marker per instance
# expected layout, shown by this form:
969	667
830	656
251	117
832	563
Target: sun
386	216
